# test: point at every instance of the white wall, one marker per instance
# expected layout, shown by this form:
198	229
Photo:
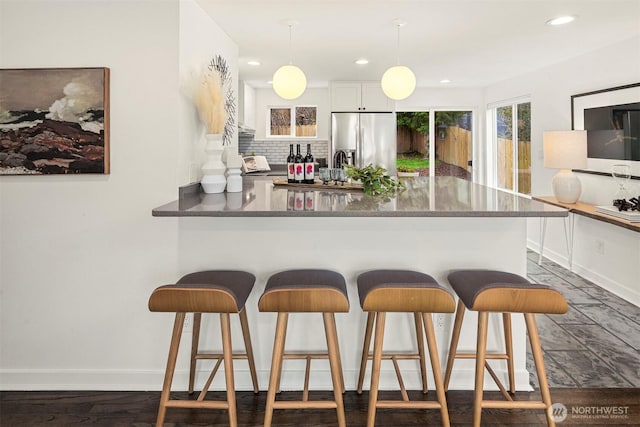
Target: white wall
80	255
200	41
550	89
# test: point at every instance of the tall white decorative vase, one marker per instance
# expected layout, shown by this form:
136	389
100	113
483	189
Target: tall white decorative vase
234	178
213	180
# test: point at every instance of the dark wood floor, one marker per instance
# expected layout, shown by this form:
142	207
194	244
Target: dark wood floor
70	408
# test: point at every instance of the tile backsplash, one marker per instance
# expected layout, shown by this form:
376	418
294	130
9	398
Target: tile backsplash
276	151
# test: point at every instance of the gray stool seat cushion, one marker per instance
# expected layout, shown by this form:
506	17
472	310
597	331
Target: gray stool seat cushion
491	290
305	290
403	291
211	291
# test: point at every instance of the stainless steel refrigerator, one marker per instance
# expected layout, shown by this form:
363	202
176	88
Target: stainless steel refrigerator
364	138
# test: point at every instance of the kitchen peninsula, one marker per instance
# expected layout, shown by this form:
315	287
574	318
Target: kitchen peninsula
435	226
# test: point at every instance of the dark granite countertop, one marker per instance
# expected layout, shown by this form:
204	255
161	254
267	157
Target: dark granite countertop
424	197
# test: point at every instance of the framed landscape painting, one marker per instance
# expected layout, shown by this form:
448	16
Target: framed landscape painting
54	121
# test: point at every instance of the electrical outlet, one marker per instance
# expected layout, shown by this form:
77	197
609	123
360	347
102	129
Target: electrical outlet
187	328
600	247
439	321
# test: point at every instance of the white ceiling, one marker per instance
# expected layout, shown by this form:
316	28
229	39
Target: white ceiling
471	42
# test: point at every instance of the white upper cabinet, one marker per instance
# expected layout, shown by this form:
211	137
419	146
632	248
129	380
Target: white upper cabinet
246	105
359	96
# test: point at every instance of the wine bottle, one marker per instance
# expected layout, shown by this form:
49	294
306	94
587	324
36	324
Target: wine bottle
291	174
309	175
298	167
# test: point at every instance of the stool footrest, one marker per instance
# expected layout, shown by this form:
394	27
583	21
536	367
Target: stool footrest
197	404
411	404
305	356
208	356
301	404
488	356
508	404
398	356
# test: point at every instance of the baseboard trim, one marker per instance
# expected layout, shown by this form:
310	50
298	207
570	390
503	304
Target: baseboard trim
151	380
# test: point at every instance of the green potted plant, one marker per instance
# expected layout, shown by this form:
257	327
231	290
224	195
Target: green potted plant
374	179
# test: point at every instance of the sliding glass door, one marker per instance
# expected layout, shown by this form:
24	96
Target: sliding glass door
436	142
511	137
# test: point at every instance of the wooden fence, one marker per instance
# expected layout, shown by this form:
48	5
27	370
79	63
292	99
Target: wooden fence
455	148
505	165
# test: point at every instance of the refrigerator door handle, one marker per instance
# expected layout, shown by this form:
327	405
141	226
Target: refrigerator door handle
358	153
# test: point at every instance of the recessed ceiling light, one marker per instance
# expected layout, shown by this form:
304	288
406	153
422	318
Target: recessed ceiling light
561	20
254	63
445	81
362	61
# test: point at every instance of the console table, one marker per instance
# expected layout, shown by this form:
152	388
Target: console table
578	208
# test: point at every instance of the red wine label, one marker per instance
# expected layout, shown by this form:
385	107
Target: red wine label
291	200
308	171
299	171
290	171
309	200
299	201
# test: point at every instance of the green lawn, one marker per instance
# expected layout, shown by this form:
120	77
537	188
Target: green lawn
413	162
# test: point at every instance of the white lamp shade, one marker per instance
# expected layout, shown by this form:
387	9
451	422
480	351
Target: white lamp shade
398	82
565	149
289	82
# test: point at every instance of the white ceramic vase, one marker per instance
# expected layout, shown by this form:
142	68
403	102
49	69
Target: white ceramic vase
234	179
213	179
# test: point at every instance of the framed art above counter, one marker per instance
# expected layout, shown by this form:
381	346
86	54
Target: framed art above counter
611	118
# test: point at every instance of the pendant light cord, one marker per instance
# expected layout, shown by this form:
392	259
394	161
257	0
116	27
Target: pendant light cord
290	49
398	47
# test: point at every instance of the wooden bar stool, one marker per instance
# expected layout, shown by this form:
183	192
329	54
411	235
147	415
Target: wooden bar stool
297	291
488	291
383	291
215	291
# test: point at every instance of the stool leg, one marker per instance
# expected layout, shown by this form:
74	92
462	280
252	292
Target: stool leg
365	349
195	339
453	347
171	366
339	359
246	336
276	366
336	366
481	353
508	343
435	365
536	349
284	334
420	340
375	368
228	368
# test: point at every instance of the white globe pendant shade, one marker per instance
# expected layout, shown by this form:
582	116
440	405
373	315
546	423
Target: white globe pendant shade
289	82
398	82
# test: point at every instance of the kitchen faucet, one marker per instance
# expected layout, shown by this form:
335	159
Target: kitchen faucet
340	158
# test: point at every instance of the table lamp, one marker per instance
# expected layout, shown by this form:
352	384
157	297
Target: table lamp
565	150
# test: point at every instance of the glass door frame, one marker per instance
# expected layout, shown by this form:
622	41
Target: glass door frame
432	135
492	137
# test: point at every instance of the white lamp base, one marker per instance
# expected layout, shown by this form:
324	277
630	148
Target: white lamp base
566	186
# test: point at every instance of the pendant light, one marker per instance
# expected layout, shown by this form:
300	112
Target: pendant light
289	81
398	82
